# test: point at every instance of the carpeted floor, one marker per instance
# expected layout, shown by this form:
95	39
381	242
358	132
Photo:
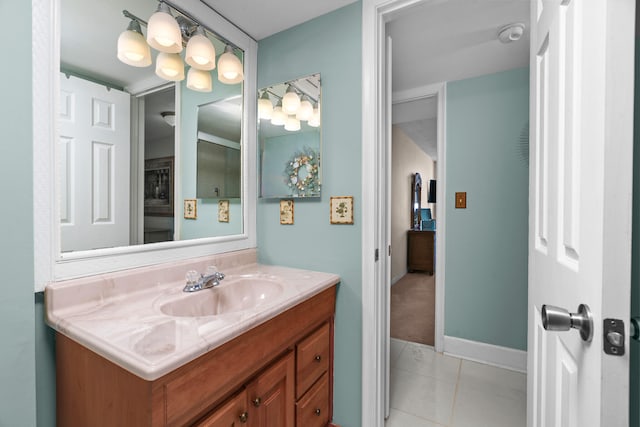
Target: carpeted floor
413	308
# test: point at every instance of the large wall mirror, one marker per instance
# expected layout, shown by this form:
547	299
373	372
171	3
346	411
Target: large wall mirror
133	142
289	135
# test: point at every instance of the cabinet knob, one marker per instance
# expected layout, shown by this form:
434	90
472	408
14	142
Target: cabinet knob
256	402
318	358
244	417
317	411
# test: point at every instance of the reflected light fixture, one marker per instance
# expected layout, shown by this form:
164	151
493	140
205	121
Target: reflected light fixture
163	31
200	52
229	67
132	47
265	107
278	117
314	121
291	101
169	66
199	80
292	124
306	109
169	117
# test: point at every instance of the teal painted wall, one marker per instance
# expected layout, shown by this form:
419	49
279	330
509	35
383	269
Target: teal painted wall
330	45
485	117
634	402
206	225
17	356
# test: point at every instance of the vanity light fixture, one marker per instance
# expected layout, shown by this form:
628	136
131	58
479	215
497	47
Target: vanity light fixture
292	124
229	67
306	109
279	117
163	31
169	66
169	117
200	51
132	48
265	107
166	34
314	121
199	80
291	101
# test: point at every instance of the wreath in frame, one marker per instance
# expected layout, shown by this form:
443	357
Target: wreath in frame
302	173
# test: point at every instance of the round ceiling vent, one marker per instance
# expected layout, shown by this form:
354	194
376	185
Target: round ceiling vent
511	32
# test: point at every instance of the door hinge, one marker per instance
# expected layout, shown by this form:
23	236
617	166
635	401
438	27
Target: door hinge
389	250
377	255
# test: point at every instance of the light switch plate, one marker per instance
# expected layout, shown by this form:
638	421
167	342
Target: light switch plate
461	200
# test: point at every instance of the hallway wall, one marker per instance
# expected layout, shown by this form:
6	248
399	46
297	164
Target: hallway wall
486	243
406	158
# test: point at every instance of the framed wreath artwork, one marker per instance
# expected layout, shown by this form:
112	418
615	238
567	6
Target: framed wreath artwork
341	210
302	173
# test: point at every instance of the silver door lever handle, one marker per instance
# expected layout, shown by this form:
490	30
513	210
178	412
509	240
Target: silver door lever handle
559	319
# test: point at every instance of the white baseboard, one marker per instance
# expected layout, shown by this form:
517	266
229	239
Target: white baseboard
495	355
398	277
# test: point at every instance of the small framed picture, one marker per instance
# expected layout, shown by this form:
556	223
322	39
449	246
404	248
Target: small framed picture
190	209
286	212
341	210
223	211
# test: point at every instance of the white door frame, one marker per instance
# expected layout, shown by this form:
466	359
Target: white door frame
438	90
375	13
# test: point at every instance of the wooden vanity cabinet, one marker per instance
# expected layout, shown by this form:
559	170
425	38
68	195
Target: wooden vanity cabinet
276	362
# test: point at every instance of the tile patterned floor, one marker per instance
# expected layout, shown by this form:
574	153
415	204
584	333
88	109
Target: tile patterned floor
429	389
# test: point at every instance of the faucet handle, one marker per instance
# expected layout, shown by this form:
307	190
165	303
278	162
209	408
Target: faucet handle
192	277
212	269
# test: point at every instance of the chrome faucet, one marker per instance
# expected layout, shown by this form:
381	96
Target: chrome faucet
198	282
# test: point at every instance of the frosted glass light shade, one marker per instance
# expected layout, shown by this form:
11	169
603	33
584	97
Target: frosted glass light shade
200	52
132	47
314	121
278	117
265	107
169	66
199	80
291	101
229	67
292	124
163	31
305	111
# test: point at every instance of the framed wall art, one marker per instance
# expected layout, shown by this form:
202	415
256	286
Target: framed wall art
190	208
286	212
223	211
341	210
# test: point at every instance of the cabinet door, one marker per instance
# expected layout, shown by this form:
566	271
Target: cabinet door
233	413
271	395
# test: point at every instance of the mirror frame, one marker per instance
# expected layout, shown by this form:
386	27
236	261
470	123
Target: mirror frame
50	263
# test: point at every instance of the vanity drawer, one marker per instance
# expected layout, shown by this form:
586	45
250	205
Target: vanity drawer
313	409
312	358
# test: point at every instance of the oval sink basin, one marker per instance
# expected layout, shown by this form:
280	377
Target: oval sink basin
239	295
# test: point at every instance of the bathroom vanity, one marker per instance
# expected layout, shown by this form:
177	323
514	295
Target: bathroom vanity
121	360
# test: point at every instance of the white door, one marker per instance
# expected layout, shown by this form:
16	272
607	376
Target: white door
94	153
580	206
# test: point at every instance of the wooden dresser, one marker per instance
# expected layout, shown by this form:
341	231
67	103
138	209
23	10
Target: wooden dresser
420	250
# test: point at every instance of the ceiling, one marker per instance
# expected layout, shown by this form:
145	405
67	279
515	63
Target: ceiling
448	40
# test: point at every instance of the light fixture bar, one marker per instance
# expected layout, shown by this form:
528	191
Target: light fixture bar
130	15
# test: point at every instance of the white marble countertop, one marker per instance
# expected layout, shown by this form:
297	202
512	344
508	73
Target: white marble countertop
123	321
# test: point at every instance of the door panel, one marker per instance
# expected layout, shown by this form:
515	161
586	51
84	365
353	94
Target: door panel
581	143
94	159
